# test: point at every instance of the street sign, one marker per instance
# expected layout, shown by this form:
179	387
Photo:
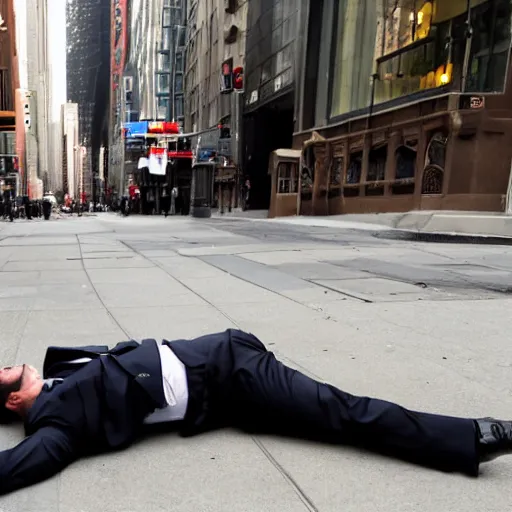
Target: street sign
477	102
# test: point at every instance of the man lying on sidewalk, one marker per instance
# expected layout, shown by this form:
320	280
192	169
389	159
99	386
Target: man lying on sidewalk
95	400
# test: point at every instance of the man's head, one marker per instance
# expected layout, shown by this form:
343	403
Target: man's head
19	387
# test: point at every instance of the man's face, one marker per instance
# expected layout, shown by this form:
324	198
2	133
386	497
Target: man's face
19	386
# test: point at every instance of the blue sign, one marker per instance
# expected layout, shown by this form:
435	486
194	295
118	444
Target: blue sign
138	129
204	155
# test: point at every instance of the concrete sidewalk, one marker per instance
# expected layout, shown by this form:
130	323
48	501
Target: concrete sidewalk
425	326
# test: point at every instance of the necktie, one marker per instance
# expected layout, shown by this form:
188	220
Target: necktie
49	384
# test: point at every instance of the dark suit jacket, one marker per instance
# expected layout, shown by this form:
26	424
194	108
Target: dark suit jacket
101	405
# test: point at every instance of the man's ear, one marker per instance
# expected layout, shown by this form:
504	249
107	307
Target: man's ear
13	402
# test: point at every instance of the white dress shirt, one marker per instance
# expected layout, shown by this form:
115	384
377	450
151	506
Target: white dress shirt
174	378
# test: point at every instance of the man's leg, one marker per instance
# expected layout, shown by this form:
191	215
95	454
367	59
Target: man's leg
274	398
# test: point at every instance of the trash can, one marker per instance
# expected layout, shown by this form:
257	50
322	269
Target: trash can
201	193
47	209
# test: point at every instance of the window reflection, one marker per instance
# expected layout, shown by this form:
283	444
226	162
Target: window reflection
489	47
355	48
166	39
426	63
406	21
417	45
162	108
164	62
167	17
163	83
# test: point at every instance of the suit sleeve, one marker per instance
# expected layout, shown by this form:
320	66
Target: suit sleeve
38	457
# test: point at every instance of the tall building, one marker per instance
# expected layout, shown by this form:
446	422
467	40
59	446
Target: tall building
41	148
72	178
273	47
42	68
119	33
154	67
404	105
88	76
148	49
214	74
9	80
57	90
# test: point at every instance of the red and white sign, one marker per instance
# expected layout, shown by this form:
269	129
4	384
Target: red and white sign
163	127
158	161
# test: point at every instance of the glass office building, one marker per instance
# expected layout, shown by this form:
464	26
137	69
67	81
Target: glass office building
412	98
88	71
153	77
273	47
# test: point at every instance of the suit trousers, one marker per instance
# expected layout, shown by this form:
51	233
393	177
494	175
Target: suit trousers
266	396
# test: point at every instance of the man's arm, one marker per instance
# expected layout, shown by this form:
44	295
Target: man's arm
38	457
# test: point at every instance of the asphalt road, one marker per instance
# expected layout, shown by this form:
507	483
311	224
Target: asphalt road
426	325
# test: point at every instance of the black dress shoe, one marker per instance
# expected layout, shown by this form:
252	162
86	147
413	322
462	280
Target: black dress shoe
494	438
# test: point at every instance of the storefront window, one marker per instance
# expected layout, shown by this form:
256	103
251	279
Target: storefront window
417	45
354	58
410	72
406	21
430	56
489	46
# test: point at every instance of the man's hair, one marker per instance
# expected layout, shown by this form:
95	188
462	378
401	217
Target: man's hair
6	415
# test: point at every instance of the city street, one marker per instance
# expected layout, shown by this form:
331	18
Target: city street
426	325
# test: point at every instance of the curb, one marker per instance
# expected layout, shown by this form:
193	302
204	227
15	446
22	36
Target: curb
393	233
441	237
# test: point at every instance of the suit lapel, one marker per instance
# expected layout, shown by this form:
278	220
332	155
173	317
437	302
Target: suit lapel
56	363
145	367
57	357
